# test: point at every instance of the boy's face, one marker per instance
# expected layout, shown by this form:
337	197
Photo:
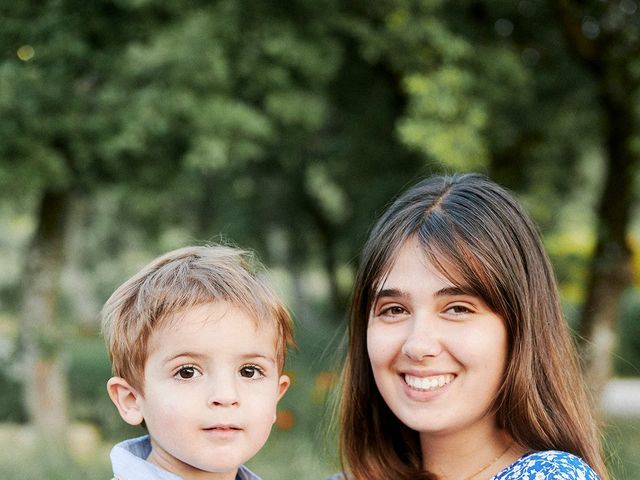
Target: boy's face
211	387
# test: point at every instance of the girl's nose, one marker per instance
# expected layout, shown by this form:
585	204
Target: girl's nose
422	341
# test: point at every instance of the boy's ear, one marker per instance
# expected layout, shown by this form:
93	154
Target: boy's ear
283	385
126	399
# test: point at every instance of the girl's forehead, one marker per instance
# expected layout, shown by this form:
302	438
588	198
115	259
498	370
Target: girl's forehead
443	263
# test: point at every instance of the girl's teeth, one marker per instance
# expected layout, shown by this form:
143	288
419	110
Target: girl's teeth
427	383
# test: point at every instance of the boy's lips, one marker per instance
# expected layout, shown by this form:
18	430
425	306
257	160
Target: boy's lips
222	433
223	428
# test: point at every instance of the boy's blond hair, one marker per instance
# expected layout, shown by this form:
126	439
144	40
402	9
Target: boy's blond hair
177	281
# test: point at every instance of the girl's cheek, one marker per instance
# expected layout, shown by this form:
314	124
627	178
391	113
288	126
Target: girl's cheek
383	344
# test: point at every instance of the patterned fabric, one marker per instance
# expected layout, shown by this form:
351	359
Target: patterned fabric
548	465
129	462
545	465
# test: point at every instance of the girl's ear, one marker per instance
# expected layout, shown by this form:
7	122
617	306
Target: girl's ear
126	399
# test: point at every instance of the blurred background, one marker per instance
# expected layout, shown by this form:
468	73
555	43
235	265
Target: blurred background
131	127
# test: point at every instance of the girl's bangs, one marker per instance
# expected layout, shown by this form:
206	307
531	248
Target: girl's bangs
460	260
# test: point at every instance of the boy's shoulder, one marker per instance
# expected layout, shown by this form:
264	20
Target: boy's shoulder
245	474
128	460
548	465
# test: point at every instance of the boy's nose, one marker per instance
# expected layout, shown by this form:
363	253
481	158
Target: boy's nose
224	394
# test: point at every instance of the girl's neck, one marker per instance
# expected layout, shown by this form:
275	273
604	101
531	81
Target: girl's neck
476	454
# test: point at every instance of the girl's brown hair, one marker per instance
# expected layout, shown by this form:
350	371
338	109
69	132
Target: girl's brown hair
481	239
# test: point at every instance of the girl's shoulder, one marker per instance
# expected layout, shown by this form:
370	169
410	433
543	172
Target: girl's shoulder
548	465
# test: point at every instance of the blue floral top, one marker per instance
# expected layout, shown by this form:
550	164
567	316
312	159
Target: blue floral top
544	465
548	465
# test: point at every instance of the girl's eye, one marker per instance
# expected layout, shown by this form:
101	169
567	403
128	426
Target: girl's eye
187	372
393	310
458	309
251	371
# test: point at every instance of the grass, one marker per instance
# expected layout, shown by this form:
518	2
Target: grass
23	458
622	440
289	454
296	449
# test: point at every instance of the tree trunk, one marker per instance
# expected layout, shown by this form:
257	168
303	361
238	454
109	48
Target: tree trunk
327	234
610	272
45	376
609	59
83	306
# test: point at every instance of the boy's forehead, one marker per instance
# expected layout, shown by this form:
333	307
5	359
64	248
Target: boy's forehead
218	318
214	311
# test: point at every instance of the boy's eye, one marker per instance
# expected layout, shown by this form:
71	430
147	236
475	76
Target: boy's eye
251	371
186	372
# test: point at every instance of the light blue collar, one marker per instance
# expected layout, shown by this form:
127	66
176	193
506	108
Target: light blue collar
129	462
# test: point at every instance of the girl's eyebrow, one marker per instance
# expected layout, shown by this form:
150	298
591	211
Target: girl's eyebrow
452	291
390	292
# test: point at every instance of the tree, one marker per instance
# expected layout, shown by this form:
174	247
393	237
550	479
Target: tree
172	101
551	93
604	38
277	119
59	57
526	99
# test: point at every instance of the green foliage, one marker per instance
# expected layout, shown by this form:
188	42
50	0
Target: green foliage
444	121
88	374
37	462
310	452
11	406
622	444
569	254
627	358
304	441
286	127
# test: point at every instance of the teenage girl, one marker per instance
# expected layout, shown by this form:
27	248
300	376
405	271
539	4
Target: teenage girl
460	365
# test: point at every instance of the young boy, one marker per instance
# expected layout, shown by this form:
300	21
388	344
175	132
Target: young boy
197	343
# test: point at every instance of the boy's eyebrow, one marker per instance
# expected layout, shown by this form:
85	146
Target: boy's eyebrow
251	355
244	356
185	354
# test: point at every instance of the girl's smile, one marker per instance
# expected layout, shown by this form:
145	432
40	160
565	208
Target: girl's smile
427	383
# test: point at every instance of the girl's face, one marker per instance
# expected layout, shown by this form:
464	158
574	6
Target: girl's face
437	352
